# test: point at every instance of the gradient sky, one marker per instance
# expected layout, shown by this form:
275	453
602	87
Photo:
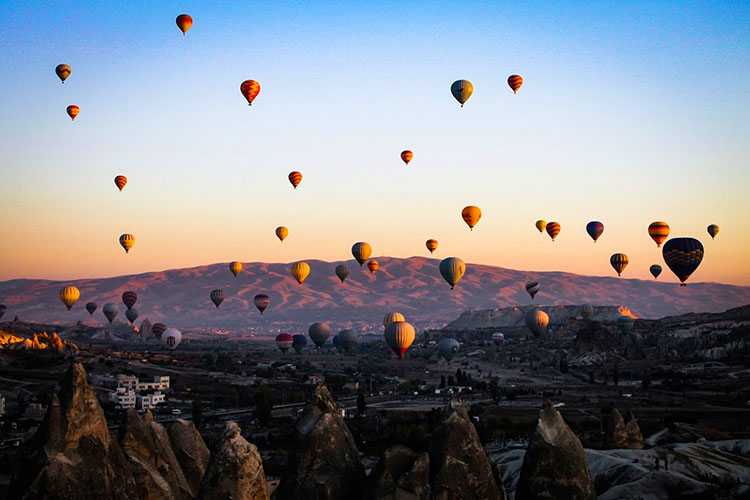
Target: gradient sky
627	115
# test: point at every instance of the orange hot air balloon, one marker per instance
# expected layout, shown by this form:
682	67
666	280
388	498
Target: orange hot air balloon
658	231
184	22
515	82
127	241
471	216
373	266
295	178
235	267
120	181
250	90
407	156
431	245
63	72
553	229
73	111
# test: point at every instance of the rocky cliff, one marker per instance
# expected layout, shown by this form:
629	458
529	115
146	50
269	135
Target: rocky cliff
190	450
621	434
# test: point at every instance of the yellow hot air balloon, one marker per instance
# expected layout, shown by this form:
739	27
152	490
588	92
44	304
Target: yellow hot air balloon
471	216
619	262
235	267
63	72
300	271
462	90
281	232
399	335
431	245
391	317
373	266
541	225
127	241
69	295
361	252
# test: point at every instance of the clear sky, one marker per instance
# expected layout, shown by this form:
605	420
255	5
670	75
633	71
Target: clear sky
628	114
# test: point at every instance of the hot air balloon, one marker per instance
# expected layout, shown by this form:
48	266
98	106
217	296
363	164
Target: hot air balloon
399	335
73	111
171	338
110	310
348	340
235	267
713	230
184	22
619	262
515	82
281	233
262	301
342	272
498	338
295	178
625	323
299	342
391	317
658	231
120	181
655	270
217	297
250	90
158	329
683	256
595	229
300	271
453	270
337	344
91	308
447	349
127	241
129	298
69	296
373	265
406	156
541	225
471	216
131	314
553	229
63	72
586	311
284	341
3	308
319	333
361	252
462	90
431	245
536	321
532	287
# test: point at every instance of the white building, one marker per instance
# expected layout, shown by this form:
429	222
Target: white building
149	401
123	398
159	383
35	411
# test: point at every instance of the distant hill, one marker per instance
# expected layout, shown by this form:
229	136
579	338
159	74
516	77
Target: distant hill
413	286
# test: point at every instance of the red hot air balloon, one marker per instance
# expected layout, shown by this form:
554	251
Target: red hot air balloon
261	302
406	156
129	298
184	22
73	111
250	90
515	82
295	178
157	329
284	342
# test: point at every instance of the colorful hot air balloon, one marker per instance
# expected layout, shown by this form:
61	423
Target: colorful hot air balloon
658	231
406	156
300	271
498	338
281	233
120	181
619	262
447	348
586	311
348	340
595	229
129	298
532	287
262	301
171	338
453	270
69	295
536	321
625	323
157	329
217	297
655	270
462	90
250	90
295	178
184	22
127	241
110	310
235	267
73	111
713	230
361	252
553	229
373	265
515	82
431	245
299	342
541	225
471	216
131	314
3	309
342	272
284	341
319	333
683	256
91	307
63	72
391	317
399	335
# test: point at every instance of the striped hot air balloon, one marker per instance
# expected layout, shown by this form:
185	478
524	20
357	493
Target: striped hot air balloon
281	233
217	297
157	329
235	267
391	317
373	265
683	256
63	72
471	216
129	298
595	229
532	287
462	90
406	156
342	272
295	178
541	225
431	245
69	295
713	230
553	229
250	90
453	270
658	231
586	311
120	181
261	301
127	241
361	252
300	271
655	270
619	262
73	111
284	342
184	22
399	335
515	82
536	321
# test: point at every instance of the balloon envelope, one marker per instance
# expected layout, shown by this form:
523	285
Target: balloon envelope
63	72
171	338
713	230
431	245
250	90
498	338
471	216
284	341
406	156
658	231
127	241
300	271
586	311
453	270
595	229
73	111
532	287
299	342
129	298
515	82
158	329
553	229
235	267
373	265
110	310
619	261
536	321
391	317
625	323
69	295
319	333
131	314
184	22
361	252
261	301
348	340
217	297
399	335
342	272
91	307
541	225
447	348
462	90
655	270
683	256
295	178
337	344
120	181
281	232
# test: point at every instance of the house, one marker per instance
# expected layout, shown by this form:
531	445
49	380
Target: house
35	411
149	401
123	398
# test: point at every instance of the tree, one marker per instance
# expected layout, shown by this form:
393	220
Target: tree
646	380
451	382
591	377
263	406
563	365
442	381
361	405
459	376
197	411
494	388
616	375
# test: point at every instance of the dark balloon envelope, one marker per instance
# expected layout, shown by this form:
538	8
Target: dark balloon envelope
91	307
595	229
261	302
157	329
129	299
683	256
299	342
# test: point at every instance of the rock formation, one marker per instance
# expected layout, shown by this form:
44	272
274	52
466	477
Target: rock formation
401	473
555	464
618	434
235	470
633	430
325	463
72	454
190	450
